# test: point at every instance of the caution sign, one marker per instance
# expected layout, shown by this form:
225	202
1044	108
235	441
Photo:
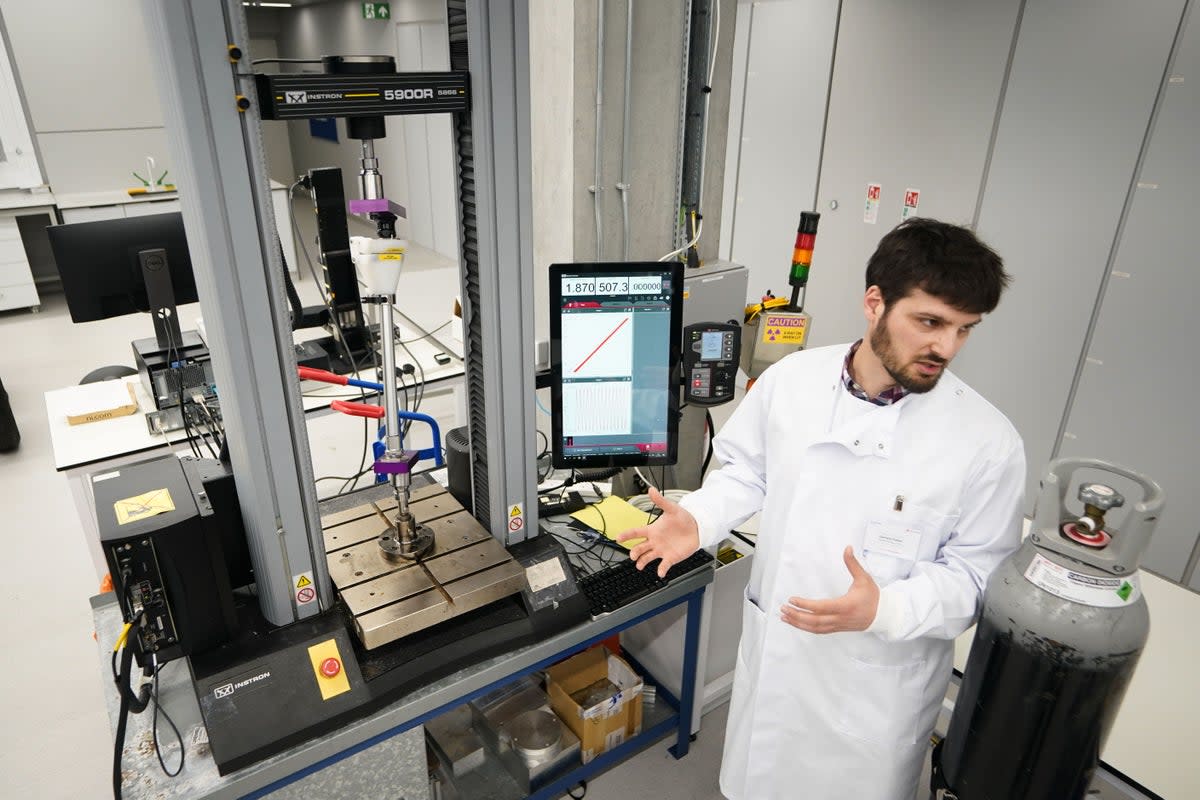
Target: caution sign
516	517
784	329
304	589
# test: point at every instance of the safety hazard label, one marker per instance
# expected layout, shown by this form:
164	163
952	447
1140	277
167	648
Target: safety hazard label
783	329
304	589
1102	591
516	517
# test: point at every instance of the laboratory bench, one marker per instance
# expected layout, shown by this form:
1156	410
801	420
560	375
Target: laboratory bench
383	753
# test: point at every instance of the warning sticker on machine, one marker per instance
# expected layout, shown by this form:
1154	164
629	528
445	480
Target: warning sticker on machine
516	517
784	329
305	591
1089	590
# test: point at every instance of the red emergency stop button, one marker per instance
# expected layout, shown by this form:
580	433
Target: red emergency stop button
330	667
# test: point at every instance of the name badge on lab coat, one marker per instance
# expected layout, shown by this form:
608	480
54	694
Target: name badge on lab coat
893	539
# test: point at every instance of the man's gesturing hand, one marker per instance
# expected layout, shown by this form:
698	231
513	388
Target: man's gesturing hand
853	611
672	537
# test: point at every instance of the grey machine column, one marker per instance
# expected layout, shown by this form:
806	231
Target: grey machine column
497	256
217	155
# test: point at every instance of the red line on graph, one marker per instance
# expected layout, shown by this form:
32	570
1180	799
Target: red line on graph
606	338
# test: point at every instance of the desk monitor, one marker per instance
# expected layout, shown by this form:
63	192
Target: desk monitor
122	266
615	334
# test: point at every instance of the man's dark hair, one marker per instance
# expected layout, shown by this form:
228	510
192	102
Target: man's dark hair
944	260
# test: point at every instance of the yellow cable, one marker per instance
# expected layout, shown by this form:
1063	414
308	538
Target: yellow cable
124	635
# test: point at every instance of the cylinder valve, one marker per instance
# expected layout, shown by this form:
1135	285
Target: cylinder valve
1089	530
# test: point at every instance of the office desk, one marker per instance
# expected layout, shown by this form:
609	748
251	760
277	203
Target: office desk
303	769
82	451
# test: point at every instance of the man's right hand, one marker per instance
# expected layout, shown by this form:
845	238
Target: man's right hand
672	537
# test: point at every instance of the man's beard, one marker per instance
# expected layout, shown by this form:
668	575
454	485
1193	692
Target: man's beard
904	375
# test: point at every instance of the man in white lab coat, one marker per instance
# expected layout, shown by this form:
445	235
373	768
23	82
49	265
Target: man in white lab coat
889	491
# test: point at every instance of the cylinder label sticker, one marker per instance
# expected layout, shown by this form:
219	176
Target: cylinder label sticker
1089	590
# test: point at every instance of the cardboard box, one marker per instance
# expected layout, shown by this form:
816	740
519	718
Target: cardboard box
604	724
93	402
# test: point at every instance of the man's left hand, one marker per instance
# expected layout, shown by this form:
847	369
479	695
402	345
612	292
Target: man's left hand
853	611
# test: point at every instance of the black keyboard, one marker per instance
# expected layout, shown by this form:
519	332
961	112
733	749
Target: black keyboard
622	583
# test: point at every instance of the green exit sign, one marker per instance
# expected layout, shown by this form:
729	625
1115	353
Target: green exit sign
377	10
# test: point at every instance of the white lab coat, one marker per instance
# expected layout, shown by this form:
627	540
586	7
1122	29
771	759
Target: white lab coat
849	714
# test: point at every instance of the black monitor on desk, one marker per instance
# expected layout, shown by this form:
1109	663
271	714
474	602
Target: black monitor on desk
615	350
122	266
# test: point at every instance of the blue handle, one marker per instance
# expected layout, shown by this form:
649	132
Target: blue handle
434	452
364	384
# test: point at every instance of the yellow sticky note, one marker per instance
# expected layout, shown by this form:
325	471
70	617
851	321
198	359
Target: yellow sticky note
613	516
150	504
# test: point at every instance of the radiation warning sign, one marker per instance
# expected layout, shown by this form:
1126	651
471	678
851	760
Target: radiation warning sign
516	517
784	329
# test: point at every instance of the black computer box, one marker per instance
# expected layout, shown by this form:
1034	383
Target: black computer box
163	546
173	374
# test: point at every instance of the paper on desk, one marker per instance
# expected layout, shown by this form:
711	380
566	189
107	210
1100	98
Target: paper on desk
92	402
613	516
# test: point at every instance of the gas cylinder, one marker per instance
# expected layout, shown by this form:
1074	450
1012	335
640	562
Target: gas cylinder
1062	627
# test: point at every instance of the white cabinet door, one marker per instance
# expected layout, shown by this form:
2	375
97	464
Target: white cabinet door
92	214
149	207
912	102
17	289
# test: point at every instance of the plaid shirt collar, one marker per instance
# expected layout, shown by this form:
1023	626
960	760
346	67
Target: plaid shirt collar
885	398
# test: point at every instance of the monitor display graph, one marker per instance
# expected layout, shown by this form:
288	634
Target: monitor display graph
597	408
597	345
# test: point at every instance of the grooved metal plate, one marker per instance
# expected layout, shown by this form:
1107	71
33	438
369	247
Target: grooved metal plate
429	608
361	528
391	599
358	512
365	561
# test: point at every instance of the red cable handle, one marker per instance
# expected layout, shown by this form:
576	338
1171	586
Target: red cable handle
358	409
311	374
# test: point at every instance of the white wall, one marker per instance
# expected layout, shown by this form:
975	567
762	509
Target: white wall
338	28
90	90
551	88
783	57
276	140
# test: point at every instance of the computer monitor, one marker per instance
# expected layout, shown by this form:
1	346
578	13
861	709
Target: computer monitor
121	266
615	332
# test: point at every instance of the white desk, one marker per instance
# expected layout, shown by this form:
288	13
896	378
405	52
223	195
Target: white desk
81	451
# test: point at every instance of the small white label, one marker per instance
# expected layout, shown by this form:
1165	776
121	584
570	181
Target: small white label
614	739
304	589
1089	590
893	539
912	200
516	517
199	735
103	476
871	211
544	575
